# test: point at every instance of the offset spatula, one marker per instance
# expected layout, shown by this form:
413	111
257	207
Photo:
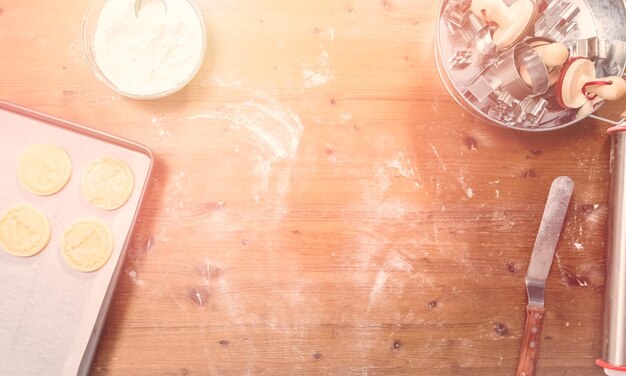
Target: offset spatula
538	269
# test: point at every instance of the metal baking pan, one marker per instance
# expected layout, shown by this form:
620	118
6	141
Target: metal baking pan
51	316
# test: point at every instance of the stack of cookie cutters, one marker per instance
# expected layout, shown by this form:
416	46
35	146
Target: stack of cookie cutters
482	73
498	79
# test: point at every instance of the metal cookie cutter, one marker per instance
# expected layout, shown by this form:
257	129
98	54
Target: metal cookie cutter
591	48
471	30
462	59
483	90
553	63
456	12
530	111
556	22
522	72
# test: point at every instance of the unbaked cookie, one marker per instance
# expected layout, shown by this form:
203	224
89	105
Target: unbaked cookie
44	169
108	183
87	245
24	231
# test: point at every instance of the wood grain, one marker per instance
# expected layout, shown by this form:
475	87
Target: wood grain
320	204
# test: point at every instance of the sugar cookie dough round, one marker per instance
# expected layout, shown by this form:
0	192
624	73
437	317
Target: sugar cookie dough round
24	231
44	169
87	245
108	183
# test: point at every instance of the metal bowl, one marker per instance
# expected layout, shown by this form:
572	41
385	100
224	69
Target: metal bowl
597	29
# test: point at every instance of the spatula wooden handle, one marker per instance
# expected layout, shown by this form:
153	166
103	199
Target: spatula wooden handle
530	342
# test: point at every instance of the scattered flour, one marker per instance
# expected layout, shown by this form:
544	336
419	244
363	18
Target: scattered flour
469	192
268	119
405	167
467	189
441	162
133	276
377	289
317	74
345	117
328	33
274	127
394	263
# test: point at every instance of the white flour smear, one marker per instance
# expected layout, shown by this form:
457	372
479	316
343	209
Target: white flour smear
469	191
317	74
275	128
270	121
406	168
377	289
394	264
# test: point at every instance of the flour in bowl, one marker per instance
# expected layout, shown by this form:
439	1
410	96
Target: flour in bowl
156	51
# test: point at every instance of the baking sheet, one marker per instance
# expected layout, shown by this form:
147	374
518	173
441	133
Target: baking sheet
50	314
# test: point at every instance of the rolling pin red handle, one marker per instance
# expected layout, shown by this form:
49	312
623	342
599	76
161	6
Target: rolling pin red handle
530	342
553	55
608	88
617	90
587	85
619	126
512	21
611	369
494	10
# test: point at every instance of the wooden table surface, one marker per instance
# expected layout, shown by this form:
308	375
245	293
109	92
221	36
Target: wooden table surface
321	206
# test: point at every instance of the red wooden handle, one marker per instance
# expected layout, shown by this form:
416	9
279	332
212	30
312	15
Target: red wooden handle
530	342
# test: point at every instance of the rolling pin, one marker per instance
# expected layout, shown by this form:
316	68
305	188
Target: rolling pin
513	21
614	342
553	56
578	84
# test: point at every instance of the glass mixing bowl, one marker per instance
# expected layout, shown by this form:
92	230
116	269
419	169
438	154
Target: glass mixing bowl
90	21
